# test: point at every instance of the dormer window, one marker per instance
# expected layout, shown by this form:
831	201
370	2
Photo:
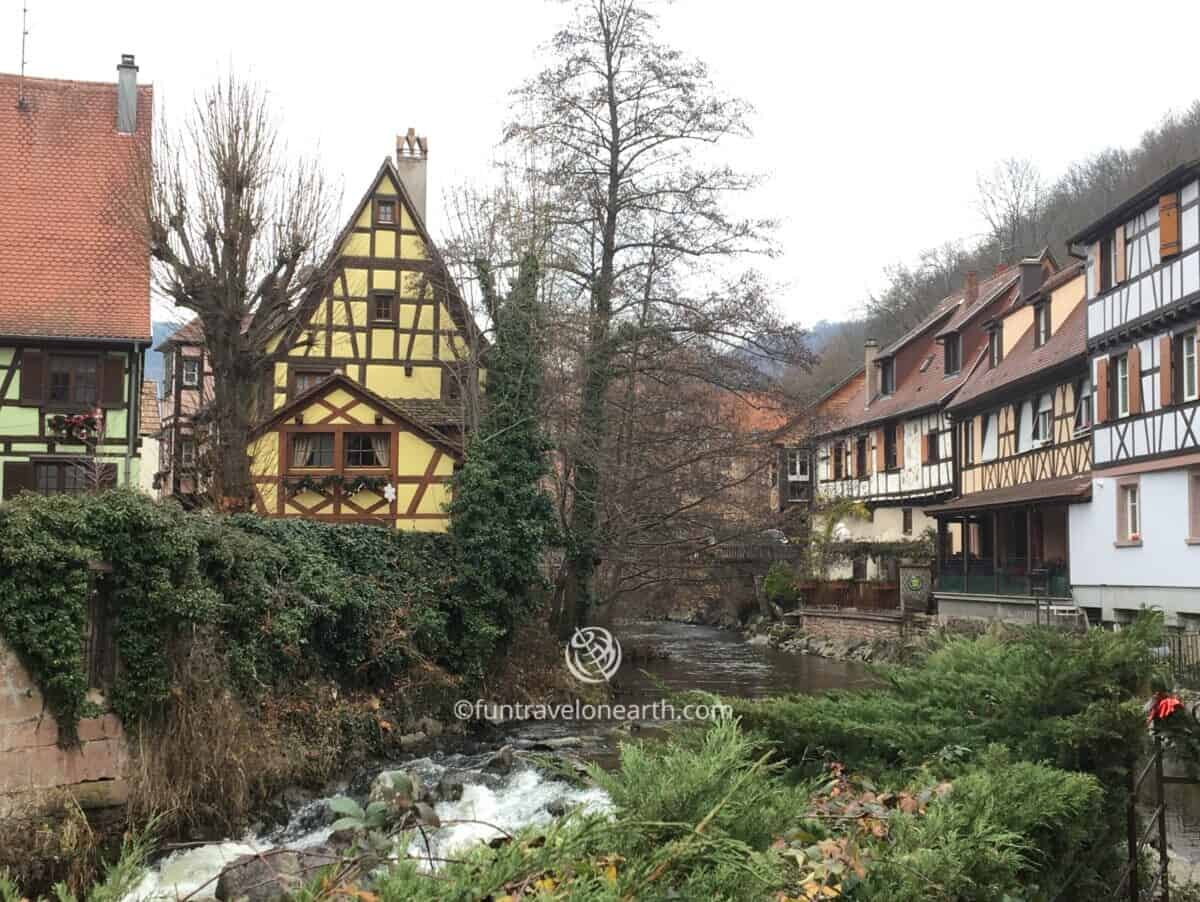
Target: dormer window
1041	324
887	376
995	346
385	212
953	354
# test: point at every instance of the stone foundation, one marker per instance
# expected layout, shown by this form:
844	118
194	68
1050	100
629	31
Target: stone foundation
848	626
32	764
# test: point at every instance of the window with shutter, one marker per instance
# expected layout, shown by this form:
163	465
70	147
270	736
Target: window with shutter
112	388
1135	379
1188	388
1103	399
33	377
1168	225
18	477
1166	370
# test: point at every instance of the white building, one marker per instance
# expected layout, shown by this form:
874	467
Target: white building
1138	542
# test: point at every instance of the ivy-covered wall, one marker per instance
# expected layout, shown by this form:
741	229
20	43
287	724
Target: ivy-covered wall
283	600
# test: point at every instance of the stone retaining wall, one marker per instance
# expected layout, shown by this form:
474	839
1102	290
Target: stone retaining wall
31	763
847	626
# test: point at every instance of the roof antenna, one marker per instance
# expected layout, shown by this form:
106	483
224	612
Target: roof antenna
22	103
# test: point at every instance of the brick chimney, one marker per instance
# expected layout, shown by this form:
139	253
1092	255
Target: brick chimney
412	156
127	95
971	288
870	370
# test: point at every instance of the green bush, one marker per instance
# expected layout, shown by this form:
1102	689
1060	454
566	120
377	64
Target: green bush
288	599
779	585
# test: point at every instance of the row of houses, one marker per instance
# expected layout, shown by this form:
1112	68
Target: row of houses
362	413
1040	425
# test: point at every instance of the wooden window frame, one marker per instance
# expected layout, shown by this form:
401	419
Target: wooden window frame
1125	536
294	373
347	451
183	372
332	467
187	441
891	456
933	442
862	456
838	450
952	355
995	347
1120	394
1042	324
70	402
377	204
1108	252
1083	403
1039	439
393	306
1185	369
887	377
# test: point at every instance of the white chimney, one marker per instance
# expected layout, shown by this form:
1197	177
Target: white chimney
127	95
412	156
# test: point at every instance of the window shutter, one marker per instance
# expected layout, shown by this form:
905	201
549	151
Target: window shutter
1119	254
1166	370
112	383
1135	379
879	451
925	455
33	377
900	446
781	477
1102	400
108	475
1168	225
848	450
18	475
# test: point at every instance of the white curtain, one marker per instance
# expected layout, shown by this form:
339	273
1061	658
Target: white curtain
301	450
379	444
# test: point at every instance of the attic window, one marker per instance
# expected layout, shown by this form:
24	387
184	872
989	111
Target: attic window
953	351
995	346
385	212
925	364
1041	324
887	377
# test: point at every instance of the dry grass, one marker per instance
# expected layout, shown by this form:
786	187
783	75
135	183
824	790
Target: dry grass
49	840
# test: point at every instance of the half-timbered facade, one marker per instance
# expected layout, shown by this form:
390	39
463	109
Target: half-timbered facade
891	446
187	386
1142	529
390	321
1022	436
74	282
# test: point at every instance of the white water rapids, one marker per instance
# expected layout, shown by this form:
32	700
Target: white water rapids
522	798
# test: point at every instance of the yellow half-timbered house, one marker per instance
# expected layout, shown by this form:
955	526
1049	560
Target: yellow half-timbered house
369	383
1022	434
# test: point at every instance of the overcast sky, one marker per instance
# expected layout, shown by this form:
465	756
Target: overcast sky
870	126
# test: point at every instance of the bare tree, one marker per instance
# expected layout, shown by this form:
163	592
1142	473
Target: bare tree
240	233
1013	200
621	130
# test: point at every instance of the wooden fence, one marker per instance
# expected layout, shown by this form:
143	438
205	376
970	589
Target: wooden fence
848	593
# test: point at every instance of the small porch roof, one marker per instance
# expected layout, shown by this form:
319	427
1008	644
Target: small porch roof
1070	489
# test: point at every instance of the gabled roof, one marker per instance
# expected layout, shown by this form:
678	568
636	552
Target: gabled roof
149	420
72	262
989	289
1134	205
453	298
924	384
1026	365
380	403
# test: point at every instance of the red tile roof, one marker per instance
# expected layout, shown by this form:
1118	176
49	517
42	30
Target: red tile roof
72	263
919	361
191	332
989	289
1023	362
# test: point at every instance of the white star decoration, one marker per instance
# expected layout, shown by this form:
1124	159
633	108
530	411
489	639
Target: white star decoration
389	492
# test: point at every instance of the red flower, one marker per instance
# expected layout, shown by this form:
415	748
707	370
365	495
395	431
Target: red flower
1162	706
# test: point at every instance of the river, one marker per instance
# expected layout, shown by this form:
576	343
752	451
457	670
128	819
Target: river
684	657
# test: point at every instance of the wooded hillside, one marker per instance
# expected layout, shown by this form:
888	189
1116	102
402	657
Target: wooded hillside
1024	212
